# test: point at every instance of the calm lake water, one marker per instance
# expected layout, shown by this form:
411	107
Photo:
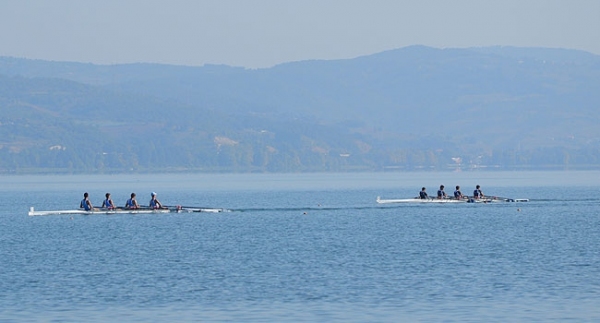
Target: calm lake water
303	247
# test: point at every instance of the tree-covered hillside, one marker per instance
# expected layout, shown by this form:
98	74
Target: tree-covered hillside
411	108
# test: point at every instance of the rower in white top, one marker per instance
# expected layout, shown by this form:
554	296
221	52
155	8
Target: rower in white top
154	202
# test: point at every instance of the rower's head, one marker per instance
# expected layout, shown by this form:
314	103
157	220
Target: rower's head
132	195
153	194
477	187
457	187
422	189
441	187
107	195
86	195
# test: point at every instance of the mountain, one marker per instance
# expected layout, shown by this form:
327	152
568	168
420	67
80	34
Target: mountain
411	108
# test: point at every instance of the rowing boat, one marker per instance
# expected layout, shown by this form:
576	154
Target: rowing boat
33	212
449	200
418	200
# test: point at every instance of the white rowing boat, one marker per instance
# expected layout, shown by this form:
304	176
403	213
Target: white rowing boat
418	200
449	200
33	212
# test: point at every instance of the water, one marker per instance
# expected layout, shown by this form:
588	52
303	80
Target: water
303	247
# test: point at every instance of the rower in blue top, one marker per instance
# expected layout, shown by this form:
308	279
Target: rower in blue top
423	195
132	203
85	203
440	193
108	202
458	194
477	194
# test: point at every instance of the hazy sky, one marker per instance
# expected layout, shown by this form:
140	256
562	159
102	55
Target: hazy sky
263	33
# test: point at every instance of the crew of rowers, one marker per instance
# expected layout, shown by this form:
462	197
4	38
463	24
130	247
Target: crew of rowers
131	203
458	195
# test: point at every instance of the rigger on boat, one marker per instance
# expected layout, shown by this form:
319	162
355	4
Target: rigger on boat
442	197
449	200
99	211
131	207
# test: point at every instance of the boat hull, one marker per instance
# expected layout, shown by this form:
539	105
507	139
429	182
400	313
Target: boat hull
417	200
438	201
33	212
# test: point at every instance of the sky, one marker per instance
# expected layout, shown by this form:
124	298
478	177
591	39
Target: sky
263	33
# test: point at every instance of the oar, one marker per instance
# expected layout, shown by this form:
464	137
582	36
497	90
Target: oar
470	199
182	207
505	199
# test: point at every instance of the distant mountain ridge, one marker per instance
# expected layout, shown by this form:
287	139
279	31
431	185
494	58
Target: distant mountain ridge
411	108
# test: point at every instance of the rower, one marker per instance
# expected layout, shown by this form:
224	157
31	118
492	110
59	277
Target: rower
440	193
477	194
458	194
85	203
132	203
108	202
422	194
155	203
